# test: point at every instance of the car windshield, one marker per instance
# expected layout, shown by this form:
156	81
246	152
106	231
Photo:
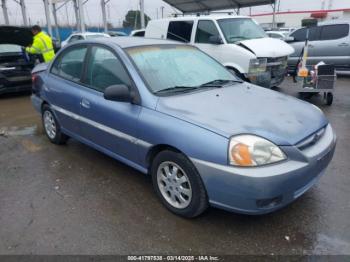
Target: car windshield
6	48
172	68
238	29
94	36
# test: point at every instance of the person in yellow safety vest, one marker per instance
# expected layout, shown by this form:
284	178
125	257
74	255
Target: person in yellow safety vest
42	44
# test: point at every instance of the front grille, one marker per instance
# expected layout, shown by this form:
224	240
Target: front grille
274	61
277	68
311	140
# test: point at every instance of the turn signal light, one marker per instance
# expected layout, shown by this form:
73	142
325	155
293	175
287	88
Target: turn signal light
241	155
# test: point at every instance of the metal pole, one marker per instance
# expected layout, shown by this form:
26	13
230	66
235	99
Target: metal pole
48	18
81	15
162	8
274	16
24	13
104	17
54	10
4	10
76	11
142	9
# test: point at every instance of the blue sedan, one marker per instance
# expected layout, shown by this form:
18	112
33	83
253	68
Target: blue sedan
171	111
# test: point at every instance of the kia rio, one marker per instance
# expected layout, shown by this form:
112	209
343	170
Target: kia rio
171	111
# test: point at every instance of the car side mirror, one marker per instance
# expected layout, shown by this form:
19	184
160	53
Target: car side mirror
289	39
215	40
119	93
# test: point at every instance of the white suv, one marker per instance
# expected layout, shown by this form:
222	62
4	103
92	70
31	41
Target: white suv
238	42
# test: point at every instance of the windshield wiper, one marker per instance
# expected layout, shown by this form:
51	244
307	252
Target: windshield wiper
176	89
220	83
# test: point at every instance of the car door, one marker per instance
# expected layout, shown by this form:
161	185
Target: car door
299	42
63	88
110	125
332	46
206	29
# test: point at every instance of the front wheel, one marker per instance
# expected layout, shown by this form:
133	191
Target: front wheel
52	127
329	99
178	184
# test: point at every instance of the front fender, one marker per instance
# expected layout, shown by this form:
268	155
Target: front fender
237	67
156	128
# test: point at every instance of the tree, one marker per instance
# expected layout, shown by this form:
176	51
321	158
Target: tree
133	19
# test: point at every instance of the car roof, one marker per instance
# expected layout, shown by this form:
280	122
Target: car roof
88	33
201	17
129	41
334	22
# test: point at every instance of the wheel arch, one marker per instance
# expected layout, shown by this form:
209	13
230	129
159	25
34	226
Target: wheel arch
156	149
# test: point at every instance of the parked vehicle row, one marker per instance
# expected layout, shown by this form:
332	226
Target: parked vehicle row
171	111
238	42
15	64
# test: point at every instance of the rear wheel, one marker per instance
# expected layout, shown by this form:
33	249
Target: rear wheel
178	184
52	127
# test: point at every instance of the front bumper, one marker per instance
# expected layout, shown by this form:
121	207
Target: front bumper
260	190
276	70
15	88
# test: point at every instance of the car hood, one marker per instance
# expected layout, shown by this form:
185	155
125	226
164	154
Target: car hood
247	109
16	35
267	47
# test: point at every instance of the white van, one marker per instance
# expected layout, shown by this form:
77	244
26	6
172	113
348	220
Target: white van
238	42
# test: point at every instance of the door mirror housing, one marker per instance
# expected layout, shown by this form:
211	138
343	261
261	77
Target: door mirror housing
215	40
119	93
289	39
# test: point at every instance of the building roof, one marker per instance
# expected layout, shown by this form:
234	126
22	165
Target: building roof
304	12
193	6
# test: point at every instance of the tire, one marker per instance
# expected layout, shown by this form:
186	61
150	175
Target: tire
329	99
182	192
51	127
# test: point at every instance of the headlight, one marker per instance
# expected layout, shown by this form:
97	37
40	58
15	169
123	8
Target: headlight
250	150
257	65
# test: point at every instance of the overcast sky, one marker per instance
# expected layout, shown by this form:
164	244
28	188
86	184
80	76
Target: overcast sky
116	10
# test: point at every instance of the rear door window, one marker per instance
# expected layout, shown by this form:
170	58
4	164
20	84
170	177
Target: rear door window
180	31
69	64
105	69
300	35
205	30
332	32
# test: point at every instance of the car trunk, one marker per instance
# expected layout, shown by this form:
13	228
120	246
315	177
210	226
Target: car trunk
15	68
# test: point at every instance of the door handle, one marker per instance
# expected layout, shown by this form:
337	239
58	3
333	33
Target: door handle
85	103
343	44
312	46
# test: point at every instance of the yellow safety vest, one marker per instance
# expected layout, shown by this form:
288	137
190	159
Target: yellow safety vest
42	44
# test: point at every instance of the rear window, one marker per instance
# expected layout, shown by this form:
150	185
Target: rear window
8	48
332	32
69	64
94	36
180	31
